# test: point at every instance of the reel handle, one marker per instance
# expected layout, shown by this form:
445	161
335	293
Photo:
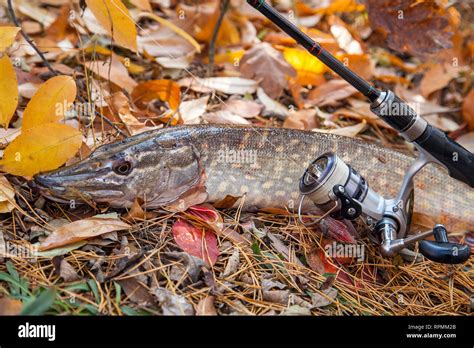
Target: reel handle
443	251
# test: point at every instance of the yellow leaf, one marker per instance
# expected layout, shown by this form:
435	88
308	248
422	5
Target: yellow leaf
8	91
50	102
310	70
7	196
7	37
173	27
164	90
41	148
114	17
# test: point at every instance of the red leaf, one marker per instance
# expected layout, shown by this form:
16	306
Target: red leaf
339	231
196	241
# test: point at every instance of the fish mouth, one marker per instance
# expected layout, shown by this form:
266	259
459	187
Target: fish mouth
52	187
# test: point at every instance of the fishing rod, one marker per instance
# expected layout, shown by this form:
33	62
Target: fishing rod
340	191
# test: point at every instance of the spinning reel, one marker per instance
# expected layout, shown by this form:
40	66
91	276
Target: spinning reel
340	191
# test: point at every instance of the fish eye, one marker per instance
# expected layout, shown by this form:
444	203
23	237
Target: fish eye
122	167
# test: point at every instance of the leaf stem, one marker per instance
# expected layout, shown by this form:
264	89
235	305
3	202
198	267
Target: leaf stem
212	44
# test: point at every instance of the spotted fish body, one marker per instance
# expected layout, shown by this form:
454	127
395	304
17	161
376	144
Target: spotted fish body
264	165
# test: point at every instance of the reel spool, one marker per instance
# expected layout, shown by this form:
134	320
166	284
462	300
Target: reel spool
340	191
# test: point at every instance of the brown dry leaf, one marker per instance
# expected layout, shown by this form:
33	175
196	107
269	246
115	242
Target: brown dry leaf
224	117
164	90
41	148
10	306
50	103
7	195
8	91
67	272
468	109
244	108
7	37
265	64
467	141
206	306
330	93
350	131
437	77
135	291
361	64
115	72
303	119
419	28
443	123
82	229
116	20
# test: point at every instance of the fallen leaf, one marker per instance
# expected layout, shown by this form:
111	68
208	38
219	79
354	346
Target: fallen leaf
361	64
196	241
7	37
164	90
172	304
42	148
228	85
82	229
9	306
8	91
65	270
302	119
468	109
7	195
437	77
325	299
228	33
174	28
206	306
265	64
142	4
443	123
115	72
232	263
309	69
50	103
192	110
271	107
224	117
330	93
467	141
135	291
349	131
344	39
296	310
116	20
242	107
419	28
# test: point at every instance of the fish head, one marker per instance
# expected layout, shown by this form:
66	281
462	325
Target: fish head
157	170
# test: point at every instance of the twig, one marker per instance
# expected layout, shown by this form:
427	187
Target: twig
28	39
212	44
50	68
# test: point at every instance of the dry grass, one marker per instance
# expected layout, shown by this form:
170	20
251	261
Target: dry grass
143	256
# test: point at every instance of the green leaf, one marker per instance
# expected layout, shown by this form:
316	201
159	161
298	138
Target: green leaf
95	290
40	304
118	292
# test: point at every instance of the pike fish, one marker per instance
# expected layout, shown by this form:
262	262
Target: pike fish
261	165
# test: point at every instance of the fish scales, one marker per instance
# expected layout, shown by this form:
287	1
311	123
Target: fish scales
264	165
